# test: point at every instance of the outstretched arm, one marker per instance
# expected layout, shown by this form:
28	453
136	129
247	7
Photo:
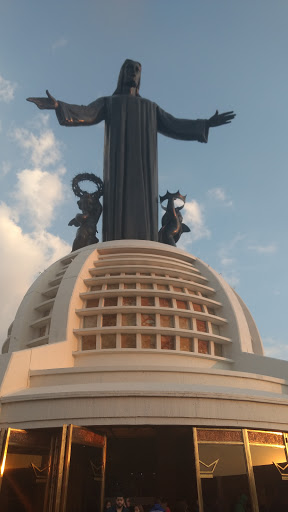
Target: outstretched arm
182	129
48	103
72	115
186	129
219	119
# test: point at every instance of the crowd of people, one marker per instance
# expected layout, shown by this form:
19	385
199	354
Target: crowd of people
125	504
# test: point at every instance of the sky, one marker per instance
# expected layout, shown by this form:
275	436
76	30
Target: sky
197	56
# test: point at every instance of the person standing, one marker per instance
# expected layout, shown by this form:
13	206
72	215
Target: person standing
119	505
157	507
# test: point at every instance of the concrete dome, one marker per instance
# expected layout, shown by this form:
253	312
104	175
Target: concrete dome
136	295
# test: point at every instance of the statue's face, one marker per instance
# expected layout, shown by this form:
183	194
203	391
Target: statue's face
132	73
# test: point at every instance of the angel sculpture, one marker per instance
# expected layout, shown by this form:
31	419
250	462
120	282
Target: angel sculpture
172	225
91	210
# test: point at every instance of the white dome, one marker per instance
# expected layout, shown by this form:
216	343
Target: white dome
138	295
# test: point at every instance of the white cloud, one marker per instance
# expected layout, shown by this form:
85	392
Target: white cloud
60	43
7	90
43	149
40	121
219	194
264	249
23	256
194	218
275	348
36	195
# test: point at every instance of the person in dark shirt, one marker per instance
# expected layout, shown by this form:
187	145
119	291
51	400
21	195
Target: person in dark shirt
119	505
129	504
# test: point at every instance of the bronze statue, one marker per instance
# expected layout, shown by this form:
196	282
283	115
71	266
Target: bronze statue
130	206
91	210
172	220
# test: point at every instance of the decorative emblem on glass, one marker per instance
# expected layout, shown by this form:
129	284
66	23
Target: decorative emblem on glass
207	470
282	470
41	474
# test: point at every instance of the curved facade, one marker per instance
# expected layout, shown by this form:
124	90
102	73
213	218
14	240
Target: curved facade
129	335
140	278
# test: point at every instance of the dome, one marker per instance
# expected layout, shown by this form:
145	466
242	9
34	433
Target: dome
136	296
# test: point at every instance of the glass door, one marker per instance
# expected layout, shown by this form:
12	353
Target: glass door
269	461
52	470
84	471
26	457
222	470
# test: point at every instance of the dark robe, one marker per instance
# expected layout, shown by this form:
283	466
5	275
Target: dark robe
130	175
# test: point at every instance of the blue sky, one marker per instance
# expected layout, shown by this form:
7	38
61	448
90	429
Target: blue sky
196	56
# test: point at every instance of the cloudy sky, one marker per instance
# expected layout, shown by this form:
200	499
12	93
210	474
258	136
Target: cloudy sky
196	56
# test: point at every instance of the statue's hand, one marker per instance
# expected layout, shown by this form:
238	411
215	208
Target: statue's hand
219	119
48	103
73	223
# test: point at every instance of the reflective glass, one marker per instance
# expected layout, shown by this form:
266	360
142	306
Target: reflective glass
270	472
85	471
223	477
26	471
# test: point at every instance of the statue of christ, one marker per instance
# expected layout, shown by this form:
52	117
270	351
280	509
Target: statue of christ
130	174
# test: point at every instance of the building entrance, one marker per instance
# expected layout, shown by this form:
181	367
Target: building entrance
64	470
205	469
146	462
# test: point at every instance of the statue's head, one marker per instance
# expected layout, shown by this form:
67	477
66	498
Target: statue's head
129	76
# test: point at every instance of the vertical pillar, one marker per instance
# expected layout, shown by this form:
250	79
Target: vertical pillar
61	461
197	465
251	478
4	442
104	451
66	467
